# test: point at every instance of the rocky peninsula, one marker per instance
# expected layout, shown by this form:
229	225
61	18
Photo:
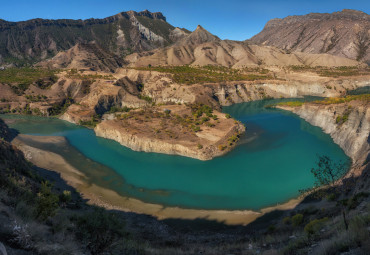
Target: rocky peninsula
194	131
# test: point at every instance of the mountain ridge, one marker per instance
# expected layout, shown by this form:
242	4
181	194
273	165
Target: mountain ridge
126	32
201	48
345	34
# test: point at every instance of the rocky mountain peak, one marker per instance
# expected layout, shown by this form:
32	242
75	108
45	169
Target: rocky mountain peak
199	36
199	27
145	13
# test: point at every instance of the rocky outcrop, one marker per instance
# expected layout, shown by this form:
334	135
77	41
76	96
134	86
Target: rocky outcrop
344	34
347	123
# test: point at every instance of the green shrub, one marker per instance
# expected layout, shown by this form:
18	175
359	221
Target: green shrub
146	98
287	220
297	220
271	228
228	116
314	226
222	147
91	123
60	222
25	211
114	109
356	200
65	196
199	109
331	197
205	119
294	245
99	229
196	128
46	202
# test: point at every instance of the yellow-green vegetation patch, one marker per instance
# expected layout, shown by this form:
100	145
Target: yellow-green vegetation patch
340	100
209	74
79	74
344	117
314	226
291	103
25	75
326	101
340	71
95	120
21	78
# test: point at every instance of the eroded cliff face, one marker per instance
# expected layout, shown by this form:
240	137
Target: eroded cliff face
347	123
103	96
239	92
161	88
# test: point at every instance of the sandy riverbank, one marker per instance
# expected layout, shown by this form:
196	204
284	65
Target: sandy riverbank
111	200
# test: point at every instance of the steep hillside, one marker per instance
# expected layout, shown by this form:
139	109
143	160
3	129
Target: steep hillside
201	48
85	56
126	32
344	34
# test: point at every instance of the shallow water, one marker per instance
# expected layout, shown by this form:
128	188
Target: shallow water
270	164
360	91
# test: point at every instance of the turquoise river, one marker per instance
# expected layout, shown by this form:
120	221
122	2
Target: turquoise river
270	165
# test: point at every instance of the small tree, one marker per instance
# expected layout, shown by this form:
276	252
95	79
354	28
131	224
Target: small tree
47	202
326	174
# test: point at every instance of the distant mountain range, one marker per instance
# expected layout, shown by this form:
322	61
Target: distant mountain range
145	38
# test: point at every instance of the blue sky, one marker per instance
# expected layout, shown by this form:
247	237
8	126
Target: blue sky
228	19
